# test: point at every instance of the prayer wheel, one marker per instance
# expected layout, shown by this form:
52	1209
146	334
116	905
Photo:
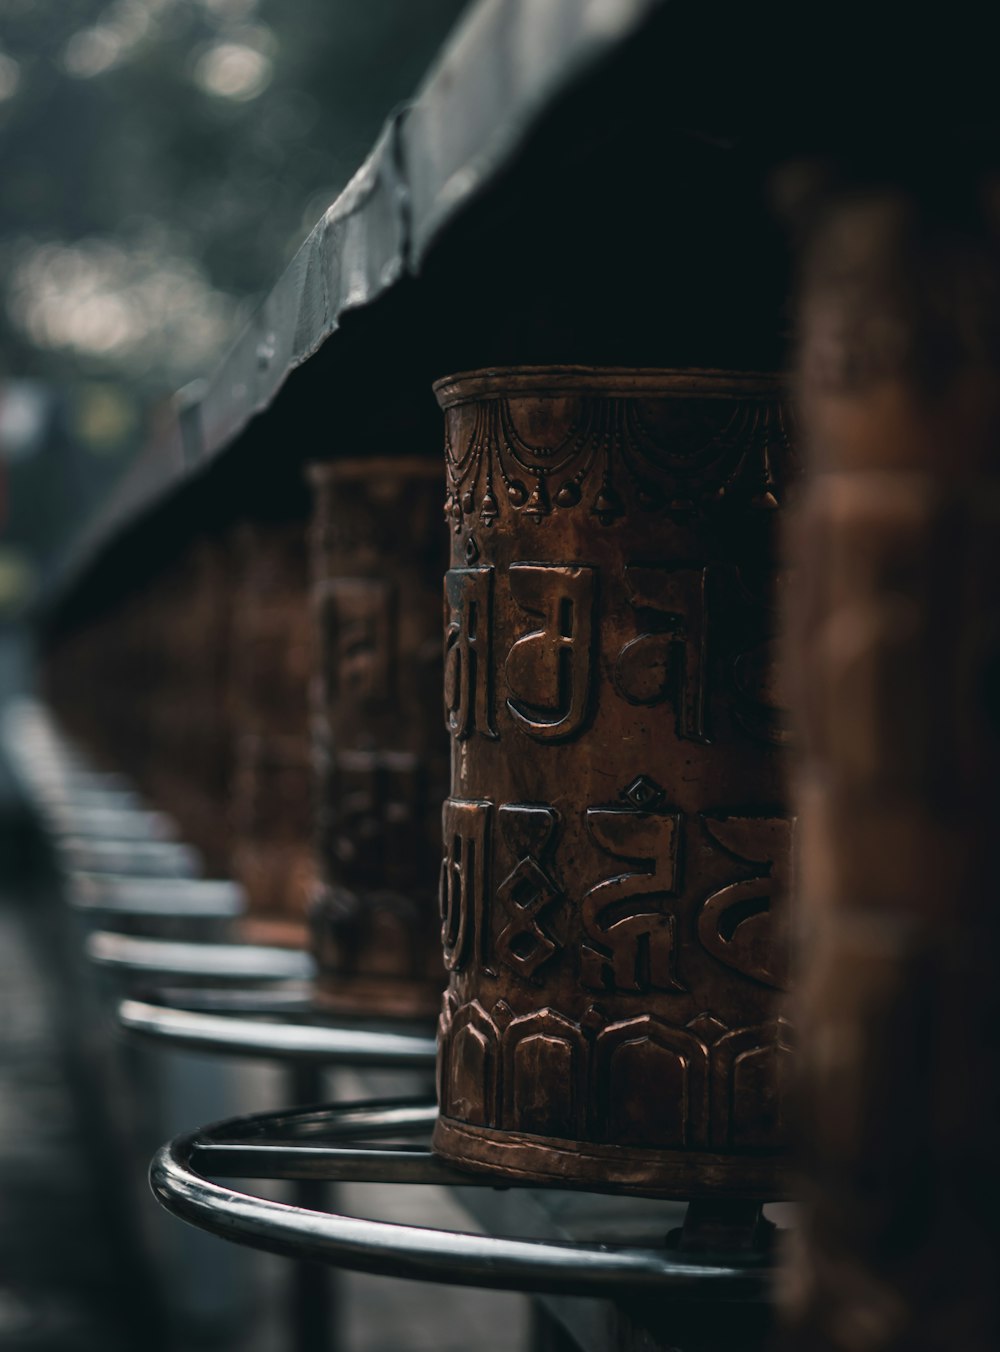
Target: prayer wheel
381	756
187	763
143	686
271	787
895	645
617	847
85	669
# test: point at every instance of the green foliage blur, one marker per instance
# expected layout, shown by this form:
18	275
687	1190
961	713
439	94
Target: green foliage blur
174	153
160	162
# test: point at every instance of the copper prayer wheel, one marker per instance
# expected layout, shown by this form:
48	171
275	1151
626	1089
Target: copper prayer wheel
143	686
179	748
381	755
272	848
84	670
895	645
616	844
271	787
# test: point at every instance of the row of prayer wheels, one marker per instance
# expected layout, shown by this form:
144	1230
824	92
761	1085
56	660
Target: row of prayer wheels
603	882
601	891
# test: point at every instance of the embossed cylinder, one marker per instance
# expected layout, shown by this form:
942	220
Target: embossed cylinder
616	844
184	725
144	685
895	645
88	668
271	789
380	750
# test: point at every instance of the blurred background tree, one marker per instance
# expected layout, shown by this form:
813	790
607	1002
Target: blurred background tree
161	161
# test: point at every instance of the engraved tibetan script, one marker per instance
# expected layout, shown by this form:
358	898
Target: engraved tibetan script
668	662
529	889
358	622
465	827
741	924
632	940
378	803
468	659
550	669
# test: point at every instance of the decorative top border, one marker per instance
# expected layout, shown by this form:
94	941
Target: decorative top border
608	445
498	382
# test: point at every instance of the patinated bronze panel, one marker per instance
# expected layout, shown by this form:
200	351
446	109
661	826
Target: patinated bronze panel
381	754
617	847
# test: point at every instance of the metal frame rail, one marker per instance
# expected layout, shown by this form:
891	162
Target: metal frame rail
307	1144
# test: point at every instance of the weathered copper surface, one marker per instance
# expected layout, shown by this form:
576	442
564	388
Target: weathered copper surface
271	788
381	753
895	643
617	849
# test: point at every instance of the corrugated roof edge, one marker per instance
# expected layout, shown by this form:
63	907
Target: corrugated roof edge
506	63
471	115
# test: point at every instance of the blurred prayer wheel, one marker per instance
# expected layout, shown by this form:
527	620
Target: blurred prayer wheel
616	845
142	685
86	667
895	645
381	755
271	792
181	754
